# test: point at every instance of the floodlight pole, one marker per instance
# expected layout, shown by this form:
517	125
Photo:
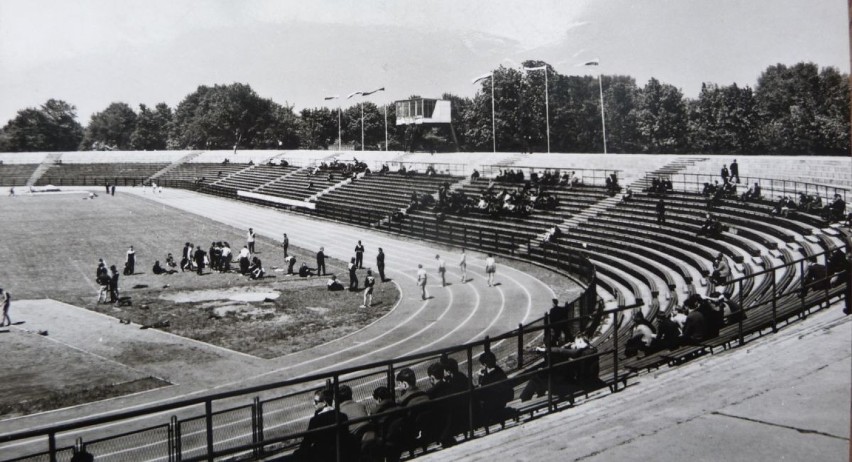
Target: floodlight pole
339	132
493	119
546	109
603	118
361	105
386	127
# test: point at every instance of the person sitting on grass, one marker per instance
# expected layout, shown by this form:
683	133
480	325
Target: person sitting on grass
333	284
256	269
304	271
160	270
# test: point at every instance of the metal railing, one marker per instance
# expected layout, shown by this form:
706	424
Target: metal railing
771	188
587	176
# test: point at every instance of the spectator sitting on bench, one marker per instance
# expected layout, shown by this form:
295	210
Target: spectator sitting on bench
752	194
816	277
835	211
552	235
474	176
721	270
703	321
563	376
494	392
643	336
783	207
711	228
628	195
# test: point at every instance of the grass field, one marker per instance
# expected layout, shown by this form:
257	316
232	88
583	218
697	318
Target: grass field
51	245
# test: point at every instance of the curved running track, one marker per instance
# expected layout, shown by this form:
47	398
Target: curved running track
458	313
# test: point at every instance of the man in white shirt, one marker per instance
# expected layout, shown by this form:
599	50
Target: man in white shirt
421	281
250	240
442	270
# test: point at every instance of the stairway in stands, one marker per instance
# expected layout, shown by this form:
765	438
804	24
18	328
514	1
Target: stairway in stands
45	165
676	166
173	165
593	210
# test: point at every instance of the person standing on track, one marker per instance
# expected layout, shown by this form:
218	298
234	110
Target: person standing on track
380	264
321	261
6	301
250	240
369	283
353	276
421	281
463	266
113	284
130	262
490	269
285	243
442	270
199	259
359	255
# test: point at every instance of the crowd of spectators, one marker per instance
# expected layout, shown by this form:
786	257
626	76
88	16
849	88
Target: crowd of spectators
409	417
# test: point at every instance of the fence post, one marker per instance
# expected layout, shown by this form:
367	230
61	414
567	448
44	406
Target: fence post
742	308
257	437
774	303
548	361
520	345
335	391
51	444
208	418
802	285
470	397
173	440
464	234
615	352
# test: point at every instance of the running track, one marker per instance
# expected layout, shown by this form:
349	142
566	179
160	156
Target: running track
458	313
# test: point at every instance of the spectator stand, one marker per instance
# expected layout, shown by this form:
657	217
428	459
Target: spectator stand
587	176
771	187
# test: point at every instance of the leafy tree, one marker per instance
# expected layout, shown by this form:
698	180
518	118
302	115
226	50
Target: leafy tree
723	120
51	127
374	125
661	118
803	110
317	128
621	99
110	129
225	116
152	128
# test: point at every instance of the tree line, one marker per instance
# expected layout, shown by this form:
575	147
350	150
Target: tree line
799	109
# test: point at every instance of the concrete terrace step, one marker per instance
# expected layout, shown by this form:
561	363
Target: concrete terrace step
188	157
48	162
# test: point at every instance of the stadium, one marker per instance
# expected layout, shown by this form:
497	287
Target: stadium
258	408
629	239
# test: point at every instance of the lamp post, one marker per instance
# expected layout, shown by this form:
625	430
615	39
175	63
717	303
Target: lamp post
493	118
596	62
546	102
362	115
368	93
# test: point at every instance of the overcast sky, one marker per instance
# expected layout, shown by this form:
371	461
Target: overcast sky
93	52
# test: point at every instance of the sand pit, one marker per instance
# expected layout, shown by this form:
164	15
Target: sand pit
236	294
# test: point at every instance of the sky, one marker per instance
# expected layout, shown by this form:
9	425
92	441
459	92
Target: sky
91	53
